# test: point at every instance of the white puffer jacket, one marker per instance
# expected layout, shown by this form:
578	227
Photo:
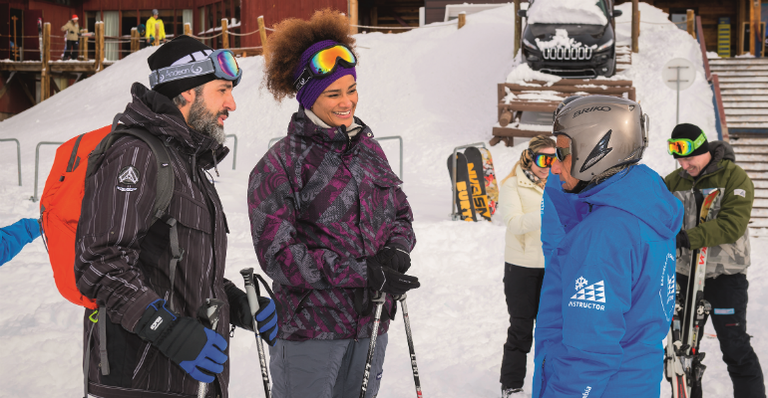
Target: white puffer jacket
520	207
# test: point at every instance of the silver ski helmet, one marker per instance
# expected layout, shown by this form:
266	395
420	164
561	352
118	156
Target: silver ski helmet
605	131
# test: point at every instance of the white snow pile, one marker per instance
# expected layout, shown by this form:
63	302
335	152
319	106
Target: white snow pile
586	12
561	39
425	86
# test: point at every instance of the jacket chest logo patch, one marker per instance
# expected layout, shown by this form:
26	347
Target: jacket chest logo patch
128	177
589	296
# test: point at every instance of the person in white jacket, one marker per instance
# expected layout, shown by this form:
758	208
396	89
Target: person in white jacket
520	206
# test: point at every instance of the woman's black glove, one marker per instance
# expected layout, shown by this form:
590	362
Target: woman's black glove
395	257
384	279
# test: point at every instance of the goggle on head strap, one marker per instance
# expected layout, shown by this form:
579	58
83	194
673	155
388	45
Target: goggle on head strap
220	63
324	62
685	146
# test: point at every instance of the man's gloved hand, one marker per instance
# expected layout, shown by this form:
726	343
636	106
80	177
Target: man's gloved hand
387	280
681	241
240	314
266	320
197	349
394	257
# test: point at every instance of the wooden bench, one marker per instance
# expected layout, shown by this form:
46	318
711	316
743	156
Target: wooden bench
540	96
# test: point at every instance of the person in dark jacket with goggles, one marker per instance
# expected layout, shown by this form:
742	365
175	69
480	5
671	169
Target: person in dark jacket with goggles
149	284
329	221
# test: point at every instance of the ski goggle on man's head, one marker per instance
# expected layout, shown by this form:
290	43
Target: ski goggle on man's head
324	62
543	160
685	146
220	63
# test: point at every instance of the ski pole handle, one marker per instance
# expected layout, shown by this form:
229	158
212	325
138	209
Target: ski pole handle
253	303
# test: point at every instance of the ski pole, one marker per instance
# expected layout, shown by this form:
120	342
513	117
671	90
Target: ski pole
408	335
209	317
253	302
378	299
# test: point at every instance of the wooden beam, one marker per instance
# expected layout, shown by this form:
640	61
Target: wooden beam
224	33
45	63
754	27
518	28
353	20
263	36
690	18
635	26
462	19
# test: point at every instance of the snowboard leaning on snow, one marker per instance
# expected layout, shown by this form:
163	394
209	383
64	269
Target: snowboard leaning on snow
462	187
477	182
491	187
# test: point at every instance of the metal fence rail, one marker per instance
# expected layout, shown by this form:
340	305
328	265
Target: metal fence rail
18	154
234	151
34	197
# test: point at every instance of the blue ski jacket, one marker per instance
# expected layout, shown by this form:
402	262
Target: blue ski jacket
609	289
16	236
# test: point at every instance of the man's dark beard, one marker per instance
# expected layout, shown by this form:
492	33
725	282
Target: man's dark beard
206	122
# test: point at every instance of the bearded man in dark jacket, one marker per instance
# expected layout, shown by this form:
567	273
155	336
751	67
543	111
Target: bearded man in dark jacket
148	298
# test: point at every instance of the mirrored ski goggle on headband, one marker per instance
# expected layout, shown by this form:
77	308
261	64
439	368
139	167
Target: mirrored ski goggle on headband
543	160
684	146
325	62
221	63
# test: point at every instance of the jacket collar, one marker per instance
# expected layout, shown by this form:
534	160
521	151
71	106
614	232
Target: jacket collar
157	114
524	181
303	123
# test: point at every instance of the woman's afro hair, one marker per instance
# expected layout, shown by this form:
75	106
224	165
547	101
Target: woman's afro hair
291	38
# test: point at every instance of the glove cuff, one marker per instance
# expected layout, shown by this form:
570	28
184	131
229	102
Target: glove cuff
155	321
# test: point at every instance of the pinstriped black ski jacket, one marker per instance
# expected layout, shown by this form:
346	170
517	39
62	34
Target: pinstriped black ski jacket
123	261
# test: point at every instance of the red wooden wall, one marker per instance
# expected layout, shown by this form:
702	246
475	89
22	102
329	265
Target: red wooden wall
275	11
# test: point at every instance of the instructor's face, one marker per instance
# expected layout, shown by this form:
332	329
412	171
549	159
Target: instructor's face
563	169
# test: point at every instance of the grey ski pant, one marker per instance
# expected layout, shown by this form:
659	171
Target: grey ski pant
324	368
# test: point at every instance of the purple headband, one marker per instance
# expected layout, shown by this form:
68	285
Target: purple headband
308	94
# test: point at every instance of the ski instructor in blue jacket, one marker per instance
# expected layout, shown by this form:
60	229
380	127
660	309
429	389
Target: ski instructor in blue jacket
609	287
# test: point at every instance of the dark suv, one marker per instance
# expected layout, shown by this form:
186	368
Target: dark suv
590	50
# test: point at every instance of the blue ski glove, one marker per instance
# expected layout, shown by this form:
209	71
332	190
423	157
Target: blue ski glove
198	350
266	320
240	314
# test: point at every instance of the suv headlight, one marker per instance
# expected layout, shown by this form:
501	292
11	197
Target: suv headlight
529	44
605	45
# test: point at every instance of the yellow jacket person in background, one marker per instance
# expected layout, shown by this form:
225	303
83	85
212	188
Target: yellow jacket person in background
155	29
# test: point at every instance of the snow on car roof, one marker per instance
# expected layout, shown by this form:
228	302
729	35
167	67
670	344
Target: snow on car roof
586	12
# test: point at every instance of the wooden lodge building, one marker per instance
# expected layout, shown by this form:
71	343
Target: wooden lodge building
19	33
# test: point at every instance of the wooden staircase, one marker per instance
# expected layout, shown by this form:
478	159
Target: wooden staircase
744	90
752	156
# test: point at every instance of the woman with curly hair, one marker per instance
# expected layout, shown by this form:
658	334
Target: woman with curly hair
520	206
329	222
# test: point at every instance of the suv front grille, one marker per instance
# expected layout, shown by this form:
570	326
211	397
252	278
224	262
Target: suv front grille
567	53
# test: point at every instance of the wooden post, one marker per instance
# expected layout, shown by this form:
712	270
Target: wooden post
518	27
45	78
80	50
224	33
755	41
187	29
134	40
99	46
635	26
15	49
84	46
353	17
263	37
462	19
690	19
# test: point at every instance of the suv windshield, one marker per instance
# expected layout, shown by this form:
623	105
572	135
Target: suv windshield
568	12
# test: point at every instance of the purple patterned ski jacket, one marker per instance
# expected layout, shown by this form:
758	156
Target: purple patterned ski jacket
321	202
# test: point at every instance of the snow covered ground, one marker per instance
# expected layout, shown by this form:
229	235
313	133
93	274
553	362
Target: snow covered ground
435	87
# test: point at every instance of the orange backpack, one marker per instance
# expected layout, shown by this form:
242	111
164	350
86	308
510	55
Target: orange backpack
62	197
